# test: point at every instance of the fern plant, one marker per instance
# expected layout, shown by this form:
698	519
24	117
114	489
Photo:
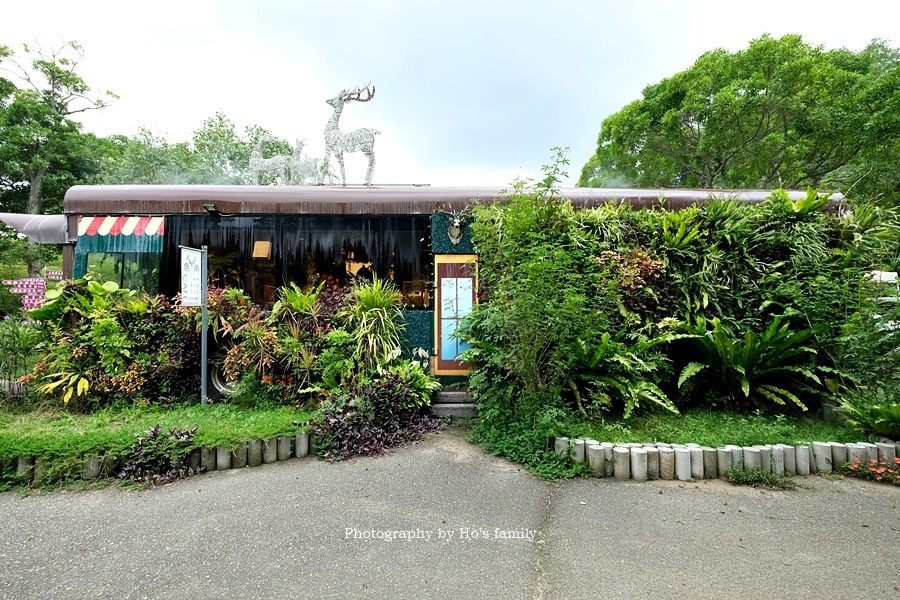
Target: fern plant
775	366
873	411
611	370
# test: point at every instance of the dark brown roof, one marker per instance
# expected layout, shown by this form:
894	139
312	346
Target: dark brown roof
395	200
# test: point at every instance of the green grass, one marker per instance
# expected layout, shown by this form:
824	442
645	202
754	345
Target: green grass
65	439
760	478
720	428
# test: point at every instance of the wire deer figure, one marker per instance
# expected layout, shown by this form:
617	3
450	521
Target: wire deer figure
303	168
277	166
362	140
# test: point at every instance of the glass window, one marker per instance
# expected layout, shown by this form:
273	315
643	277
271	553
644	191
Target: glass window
131	270
260	253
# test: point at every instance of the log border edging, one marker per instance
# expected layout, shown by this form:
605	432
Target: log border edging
691	462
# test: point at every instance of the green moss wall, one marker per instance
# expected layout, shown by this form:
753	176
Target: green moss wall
419	331
440	240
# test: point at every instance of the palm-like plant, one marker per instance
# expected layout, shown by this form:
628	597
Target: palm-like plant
254	346
294	308
773	366
374	317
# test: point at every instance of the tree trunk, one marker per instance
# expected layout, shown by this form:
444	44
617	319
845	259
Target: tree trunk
35	187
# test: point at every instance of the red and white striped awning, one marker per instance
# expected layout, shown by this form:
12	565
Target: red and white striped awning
121	225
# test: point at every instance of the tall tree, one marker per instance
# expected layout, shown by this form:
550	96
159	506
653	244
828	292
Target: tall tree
227	153
781	113
40	140
217	155
149	159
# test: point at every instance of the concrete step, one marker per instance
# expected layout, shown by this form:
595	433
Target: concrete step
454	409
453	397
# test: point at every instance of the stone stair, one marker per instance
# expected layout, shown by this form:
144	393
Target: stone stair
453	403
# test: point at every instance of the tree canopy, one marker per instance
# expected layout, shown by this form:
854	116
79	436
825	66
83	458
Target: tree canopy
216	154
781	113
44	150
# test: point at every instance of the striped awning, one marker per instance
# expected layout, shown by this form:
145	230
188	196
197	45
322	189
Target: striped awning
121	225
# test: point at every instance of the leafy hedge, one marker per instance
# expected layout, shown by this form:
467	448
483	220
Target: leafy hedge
603	312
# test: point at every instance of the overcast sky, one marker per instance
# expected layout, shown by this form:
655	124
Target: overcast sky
468	92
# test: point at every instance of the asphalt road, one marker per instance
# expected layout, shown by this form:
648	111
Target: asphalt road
443	520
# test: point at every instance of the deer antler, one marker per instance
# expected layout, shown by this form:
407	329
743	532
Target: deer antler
354	94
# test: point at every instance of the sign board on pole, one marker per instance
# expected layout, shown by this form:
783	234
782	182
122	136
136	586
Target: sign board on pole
193	293
191	277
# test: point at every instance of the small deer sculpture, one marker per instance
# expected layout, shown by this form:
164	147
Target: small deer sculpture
277	167
303	169
362	140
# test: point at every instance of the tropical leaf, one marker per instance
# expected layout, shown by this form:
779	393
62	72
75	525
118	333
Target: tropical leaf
760	366
689	371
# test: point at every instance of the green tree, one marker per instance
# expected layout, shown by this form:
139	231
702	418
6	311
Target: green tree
781	113
43	149
217	154
146	159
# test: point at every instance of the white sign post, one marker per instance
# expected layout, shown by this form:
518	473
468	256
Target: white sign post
193	293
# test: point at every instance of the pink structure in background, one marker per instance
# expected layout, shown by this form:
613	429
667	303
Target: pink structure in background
33	289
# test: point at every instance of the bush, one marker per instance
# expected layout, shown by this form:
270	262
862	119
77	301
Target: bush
873	411
106	345
19	339
585	308
869	356
159	458
766	370
370	418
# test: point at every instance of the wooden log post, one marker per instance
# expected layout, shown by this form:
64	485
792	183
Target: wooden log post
710	463
208	458
284	447
239	456
790	459
751	458
622	461
723	461
886	453
639	464
696	461
777	460
561	445
652	462
301	444
597	460
667	464
801	454
577	451
254	453
682	464
269	450
223	458
822	456
838	455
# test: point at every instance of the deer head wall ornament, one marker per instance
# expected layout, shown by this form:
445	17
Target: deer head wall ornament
362	140
456	225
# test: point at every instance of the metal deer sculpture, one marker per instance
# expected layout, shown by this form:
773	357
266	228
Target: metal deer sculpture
277	167
362	140
303	169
